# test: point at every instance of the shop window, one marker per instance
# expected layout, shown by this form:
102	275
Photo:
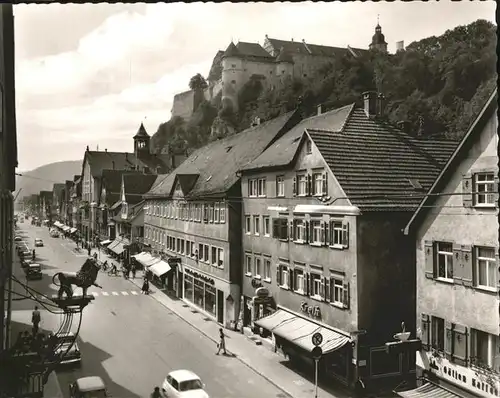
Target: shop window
483	348
199	293
188	287
248	264
210	300
383	364
248	225
256	225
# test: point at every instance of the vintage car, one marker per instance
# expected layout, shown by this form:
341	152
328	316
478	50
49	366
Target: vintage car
38	242
88	387
73	356
33	271
183	383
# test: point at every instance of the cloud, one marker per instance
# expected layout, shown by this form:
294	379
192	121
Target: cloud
129	63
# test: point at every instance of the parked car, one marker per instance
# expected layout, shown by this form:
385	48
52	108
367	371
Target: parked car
25	262
88	387
73	356
38	242
33	271
183	383
54	234
18	239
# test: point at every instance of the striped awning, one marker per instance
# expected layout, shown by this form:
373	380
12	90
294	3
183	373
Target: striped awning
299	331
428	390
113	244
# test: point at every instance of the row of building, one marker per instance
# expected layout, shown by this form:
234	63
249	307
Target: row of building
339	223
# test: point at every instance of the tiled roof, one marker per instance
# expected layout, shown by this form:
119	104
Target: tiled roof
112	180
137	185
374	161
293	47
471	137
252	50
231	51
299	47
284	56
283	151
100	160
218	162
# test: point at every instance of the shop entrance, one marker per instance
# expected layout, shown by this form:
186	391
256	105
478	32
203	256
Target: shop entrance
220	306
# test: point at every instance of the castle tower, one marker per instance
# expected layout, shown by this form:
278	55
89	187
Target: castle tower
378	40
141	142
232	76
284	64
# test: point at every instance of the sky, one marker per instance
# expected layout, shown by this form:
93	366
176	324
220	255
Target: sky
89	74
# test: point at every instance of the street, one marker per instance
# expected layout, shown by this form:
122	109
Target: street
129	339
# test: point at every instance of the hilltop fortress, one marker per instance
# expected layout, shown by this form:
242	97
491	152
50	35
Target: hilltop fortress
271	63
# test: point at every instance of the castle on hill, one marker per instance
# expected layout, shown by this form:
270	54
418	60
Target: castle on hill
270	63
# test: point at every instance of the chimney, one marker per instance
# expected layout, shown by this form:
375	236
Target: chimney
319	109
380	105
370	103
404	125
87	149
113	164
105	149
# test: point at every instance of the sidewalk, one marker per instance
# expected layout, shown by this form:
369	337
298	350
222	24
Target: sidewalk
261	360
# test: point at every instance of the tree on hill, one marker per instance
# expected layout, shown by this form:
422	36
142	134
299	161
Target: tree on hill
198	83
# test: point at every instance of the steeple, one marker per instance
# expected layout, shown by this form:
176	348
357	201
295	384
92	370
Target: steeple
378	39
141	141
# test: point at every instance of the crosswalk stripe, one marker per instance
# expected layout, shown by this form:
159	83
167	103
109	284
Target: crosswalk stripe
105	293
125	293
134	292
114	293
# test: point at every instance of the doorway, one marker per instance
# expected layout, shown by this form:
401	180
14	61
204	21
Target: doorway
220	306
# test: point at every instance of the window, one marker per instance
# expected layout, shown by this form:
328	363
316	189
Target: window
248	225
258	269
261	192
485	269
200	251
317	232
178	245
188	248
484	191
284	276
337	291
437	333
217	212
280	228
206	253
300	230
222	207
319	182
308	145
233	81
302	185
220	257
182	246
280	186
211	212
233	65
214	255
267	269
252	187
256	225
248	264
266	225
444	260
205	213
317	286
483	347
299	280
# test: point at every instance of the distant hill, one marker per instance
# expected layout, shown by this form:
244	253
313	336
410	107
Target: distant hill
44	177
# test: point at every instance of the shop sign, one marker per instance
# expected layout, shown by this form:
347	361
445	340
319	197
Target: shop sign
312	311
262	292
204	278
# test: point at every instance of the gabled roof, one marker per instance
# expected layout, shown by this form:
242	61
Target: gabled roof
100	160
252	50
231	51
283	151
217	163
472	135
186	182
141	133
112	181
303	48
136	185
378	165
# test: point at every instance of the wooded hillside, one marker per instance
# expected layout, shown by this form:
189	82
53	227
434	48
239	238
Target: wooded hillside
438	84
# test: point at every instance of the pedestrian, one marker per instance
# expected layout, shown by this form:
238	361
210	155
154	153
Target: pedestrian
35	320
145	286
88	250
134	270
156	393
33	256
222	343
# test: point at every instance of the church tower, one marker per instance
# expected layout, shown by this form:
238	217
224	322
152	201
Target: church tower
141	142
378	39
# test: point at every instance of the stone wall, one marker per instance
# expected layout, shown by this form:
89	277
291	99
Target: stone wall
183	105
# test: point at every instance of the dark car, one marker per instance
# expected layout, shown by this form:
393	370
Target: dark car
33	271
73	356
38	242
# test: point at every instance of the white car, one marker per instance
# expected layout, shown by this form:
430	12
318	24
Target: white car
183	384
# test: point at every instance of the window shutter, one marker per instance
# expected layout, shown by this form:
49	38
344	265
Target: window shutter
467	191
309	185
325	184
294	230
426	331
495	190
276	186
291	230
331	233
278	275
497	266
307	232
448	339
307	284
294	186
346	295
275	228
457	263
460	345
290	278
429	259
326	283
467	264
325	233
345	234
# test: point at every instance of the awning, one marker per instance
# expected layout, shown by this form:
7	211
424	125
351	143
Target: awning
299	331
66	228
56	223
106	242
428	390
113	244
146	259
139	256
72	230
118	249
160	268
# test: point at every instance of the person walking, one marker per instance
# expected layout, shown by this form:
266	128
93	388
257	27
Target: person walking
35	320
134	270
222	343
156	393
145	286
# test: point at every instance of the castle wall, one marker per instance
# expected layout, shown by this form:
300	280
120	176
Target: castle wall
212	90
184	104
307	66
